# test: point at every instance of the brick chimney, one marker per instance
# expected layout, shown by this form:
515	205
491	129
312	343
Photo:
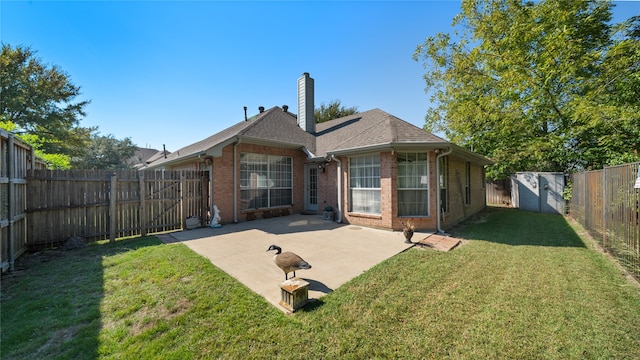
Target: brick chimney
306	120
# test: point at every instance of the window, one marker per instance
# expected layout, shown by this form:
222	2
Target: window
265	181
443	164
364	184
413	184
467	183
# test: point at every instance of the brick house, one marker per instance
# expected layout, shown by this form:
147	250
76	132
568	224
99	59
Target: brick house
372	168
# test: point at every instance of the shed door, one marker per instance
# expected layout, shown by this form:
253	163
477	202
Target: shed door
528	191
551	187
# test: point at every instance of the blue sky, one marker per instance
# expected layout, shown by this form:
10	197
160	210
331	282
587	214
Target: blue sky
174	72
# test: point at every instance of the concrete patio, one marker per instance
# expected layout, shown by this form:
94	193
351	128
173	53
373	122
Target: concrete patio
337	252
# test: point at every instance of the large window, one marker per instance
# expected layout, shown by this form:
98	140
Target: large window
265	181
364	184
413	184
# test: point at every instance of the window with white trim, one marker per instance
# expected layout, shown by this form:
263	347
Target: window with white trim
413	184
364	184
265	181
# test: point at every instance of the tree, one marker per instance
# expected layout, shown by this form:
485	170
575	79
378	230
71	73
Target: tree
518	79
331	111
53	161
39	100
105	153
612	114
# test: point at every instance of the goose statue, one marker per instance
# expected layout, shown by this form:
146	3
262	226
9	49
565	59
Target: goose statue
288	261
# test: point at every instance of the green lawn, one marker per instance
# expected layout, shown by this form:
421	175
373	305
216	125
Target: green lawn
523	285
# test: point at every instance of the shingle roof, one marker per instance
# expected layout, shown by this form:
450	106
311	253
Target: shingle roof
363	130
143	156
279	126
273	125
373	127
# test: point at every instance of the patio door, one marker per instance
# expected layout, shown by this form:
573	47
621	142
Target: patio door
311	188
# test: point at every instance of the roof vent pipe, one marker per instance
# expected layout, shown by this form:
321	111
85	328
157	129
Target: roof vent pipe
245	113
261	109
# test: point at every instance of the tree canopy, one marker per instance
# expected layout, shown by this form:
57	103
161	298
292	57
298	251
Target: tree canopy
38	103
332	110
105	153
536	86
40	100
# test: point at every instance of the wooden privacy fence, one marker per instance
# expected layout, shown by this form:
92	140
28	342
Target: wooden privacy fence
499	192
607	205
15	158
99	204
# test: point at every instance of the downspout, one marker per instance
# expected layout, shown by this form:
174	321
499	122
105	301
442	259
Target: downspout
339	180
211	187
235	181
440	231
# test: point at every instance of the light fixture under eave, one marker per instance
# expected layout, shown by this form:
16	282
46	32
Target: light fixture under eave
322	166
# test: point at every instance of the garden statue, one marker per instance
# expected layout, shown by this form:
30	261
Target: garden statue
215	222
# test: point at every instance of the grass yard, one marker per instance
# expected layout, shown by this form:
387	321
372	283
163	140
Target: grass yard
523	285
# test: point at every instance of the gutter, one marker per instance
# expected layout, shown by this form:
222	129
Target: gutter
339	180
309	154
390	146
440	231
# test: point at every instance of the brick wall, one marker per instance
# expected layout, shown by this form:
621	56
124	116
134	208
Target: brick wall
223	188
223	183
389	219
222	194
328	187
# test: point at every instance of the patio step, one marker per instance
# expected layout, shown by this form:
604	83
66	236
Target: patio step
440	242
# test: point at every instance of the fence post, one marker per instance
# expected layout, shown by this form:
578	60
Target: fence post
585	206
10	197
605	207
181	195
143	198
112	207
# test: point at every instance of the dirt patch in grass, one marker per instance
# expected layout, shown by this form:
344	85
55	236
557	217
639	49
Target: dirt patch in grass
22	267
58	338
